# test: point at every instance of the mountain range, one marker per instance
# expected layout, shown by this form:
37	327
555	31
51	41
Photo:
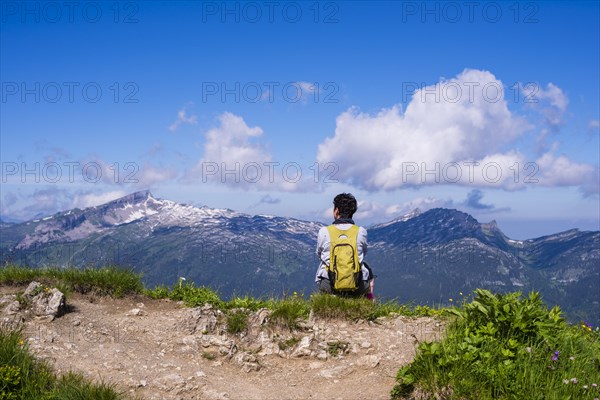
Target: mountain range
422	257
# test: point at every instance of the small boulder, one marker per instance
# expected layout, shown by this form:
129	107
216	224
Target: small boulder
136	312
48	303
370	361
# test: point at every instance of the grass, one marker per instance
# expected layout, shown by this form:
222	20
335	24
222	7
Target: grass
24	377
506	347
237	320
287	311
331	307
110	281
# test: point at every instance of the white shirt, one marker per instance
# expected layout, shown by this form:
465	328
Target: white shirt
324	246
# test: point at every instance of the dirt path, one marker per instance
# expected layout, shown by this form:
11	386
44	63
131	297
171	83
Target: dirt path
161	350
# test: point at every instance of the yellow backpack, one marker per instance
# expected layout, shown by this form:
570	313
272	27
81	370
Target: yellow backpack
344	265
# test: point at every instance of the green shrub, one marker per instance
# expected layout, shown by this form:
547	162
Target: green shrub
159	292
10	381
506	347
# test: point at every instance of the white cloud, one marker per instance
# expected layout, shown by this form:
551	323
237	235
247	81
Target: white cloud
49	200
150	175
305	90
458	131
551	102
555	96
560	171
594	124
183	118
374	212
87	199
235	156
293	92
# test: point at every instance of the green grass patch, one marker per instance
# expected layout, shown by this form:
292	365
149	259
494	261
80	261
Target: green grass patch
247	302
506	347
110	281
332	307
237	320
189	293
24	377
117	282
287	311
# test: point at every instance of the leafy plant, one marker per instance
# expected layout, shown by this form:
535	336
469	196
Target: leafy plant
503	346
10	381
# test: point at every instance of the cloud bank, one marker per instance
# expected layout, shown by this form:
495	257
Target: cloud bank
459	131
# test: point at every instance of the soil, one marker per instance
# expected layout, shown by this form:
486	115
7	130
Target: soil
160	349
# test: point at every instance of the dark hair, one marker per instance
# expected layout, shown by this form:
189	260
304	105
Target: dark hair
346	204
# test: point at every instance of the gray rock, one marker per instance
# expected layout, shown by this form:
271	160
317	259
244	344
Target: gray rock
247	361
12	308
172	381
201	320
304	347
336	371
260	317
369	361
48	303
9	298
31	288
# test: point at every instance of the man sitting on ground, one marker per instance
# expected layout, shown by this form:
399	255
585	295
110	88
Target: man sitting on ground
348	242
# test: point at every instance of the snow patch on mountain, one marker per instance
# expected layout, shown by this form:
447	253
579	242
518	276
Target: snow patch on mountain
403	218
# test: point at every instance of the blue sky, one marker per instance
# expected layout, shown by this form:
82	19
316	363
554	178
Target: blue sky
274	107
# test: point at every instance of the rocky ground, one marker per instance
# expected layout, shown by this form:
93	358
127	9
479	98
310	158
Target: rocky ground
159	349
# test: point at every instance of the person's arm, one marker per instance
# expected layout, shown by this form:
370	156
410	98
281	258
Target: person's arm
362	241
321	239
322	242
